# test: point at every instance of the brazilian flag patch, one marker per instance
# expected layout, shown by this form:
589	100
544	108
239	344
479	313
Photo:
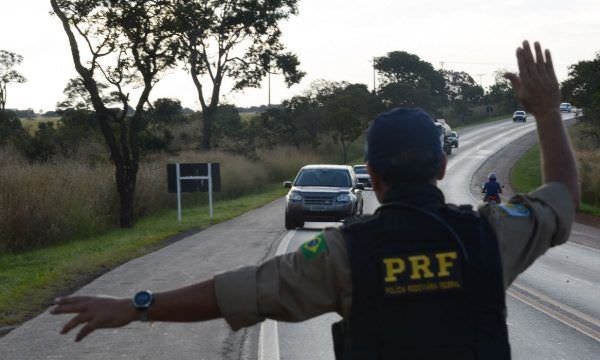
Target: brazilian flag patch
314	247
515	210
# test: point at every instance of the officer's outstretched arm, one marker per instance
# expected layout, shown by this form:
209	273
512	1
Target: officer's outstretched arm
537	89
190	303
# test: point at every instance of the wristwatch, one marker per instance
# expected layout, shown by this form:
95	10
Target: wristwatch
142	301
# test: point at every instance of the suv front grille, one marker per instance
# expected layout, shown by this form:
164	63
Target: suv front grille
318	200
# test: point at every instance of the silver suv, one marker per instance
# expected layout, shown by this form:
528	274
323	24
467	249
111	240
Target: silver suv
322	193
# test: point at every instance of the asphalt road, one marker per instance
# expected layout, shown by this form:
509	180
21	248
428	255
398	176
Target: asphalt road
553	313
553	308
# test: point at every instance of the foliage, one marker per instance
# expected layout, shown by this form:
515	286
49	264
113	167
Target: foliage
227	125
462	93
238	40
78	97
500	95
11	130
346	109
128	43
406	80
582	88
167	111
8	60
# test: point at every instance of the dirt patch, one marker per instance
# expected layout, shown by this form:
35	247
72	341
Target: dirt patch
587	219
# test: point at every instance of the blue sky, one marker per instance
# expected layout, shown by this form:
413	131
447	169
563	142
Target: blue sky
336	40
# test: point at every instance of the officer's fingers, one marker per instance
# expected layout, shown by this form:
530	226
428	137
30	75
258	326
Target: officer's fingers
514	80
68	308
85	331
81	318
550	67
70	299
540	63
528	58
523	69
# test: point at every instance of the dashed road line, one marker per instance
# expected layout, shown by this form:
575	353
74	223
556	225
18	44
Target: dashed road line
268	338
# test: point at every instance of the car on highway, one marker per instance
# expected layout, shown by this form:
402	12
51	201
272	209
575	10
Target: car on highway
519	115
322	193
566	107
362	175
452	138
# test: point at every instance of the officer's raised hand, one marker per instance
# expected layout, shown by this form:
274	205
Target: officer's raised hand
536	86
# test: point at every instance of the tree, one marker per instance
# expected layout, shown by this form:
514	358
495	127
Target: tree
346	112
11	129
462	91
78	97
406	80
501	94
582	88
167	111
128	43
235	39
8	60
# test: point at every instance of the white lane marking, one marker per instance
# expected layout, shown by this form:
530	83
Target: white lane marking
268	341
268	337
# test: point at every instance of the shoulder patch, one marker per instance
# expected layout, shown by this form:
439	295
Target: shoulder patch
314	247
515	210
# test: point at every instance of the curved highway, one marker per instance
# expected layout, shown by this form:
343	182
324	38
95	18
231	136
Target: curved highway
553	308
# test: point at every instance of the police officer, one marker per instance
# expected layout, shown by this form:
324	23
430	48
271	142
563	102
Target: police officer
418	279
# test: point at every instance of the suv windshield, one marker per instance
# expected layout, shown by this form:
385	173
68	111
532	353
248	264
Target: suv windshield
323	177
360	169
522	112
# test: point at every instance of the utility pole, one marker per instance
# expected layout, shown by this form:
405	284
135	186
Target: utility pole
374	77
480	79
269	87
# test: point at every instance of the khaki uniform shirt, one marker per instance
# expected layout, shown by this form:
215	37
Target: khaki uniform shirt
295	287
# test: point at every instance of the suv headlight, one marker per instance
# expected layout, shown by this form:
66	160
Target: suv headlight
343	198
295	196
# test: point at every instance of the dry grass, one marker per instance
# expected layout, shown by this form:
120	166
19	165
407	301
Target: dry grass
589	172
42	204
587	151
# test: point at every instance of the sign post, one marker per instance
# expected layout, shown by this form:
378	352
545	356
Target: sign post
203	177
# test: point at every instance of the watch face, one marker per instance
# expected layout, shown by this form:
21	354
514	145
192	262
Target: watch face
142	299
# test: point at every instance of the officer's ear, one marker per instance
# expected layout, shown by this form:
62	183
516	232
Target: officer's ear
379	186
442	171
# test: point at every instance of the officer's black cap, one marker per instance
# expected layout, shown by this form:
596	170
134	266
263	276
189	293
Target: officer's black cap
404	145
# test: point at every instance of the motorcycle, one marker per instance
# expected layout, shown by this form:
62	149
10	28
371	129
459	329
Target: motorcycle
491	199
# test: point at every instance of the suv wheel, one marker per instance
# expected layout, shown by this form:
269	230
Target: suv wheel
293	222
289	222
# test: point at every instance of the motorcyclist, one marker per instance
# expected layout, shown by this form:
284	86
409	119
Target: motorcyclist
492	189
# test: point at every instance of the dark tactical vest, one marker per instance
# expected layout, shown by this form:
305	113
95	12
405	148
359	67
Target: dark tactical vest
427	283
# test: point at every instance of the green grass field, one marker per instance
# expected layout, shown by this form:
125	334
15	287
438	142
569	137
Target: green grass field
30	280
526	176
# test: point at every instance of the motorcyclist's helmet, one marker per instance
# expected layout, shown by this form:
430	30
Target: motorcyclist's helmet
492	177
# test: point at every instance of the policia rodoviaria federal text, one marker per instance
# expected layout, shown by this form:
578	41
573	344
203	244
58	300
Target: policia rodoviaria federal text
418	279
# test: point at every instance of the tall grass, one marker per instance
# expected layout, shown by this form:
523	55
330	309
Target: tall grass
43	204
585	141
